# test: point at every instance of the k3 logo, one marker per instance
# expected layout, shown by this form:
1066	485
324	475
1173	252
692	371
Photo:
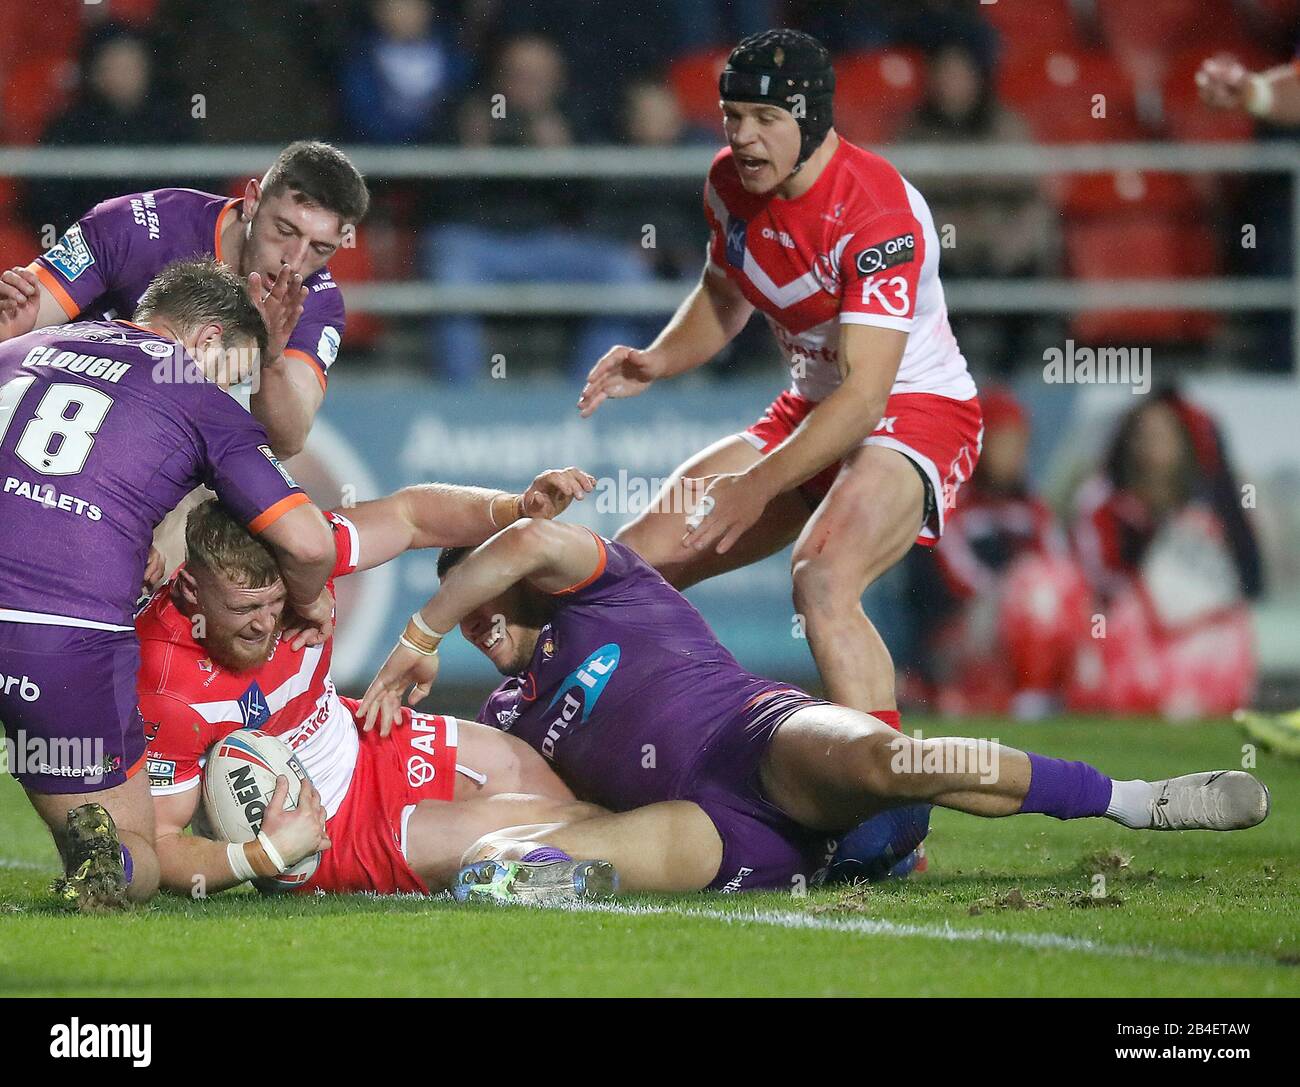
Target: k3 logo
891	294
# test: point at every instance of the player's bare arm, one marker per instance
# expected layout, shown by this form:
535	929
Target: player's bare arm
1272	95
550	557
26	304
709	319
446	515
734	502
192	864
304	548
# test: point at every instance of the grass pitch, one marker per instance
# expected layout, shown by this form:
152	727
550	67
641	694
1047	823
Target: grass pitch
1011	907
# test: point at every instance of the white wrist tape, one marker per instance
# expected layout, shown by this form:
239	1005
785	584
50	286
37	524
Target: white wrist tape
1259	96
272	853
424	627
239	862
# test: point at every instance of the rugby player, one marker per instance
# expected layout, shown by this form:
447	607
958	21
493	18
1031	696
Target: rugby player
279	237
715	777
104	426
866	451
393	810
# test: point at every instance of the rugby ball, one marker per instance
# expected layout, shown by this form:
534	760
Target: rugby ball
238	781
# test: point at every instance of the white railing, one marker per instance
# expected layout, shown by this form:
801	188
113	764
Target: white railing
688	166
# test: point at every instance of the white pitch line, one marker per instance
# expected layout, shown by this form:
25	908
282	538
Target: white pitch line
28	866
1038	941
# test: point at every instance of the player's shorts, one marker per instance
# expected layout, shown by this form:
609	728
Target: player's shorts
394	773
939	435
762	847
68	705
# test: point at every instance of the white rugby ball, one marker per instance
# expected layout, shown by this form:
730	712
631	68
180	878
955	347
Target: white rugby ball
238	781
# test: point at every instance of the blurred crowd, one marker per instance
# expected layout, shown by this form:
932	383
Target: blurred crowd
1136	603
531	73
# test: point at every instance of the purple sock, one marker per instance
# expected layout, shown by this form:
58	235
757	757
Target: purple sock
543	854
1066	790
128	866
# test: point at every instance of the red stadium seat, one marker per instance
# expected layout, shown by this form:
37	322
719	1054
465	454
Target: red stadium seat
1140	246
876	92
694	82
1163	27
1055	90
1032	28
1187	117
355	264
34	91
1125	191
17	244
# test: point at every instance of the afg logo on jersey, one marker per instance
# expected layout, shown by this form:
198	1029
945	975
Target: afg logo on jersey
70	256
580	690
887	254
736	231
252	707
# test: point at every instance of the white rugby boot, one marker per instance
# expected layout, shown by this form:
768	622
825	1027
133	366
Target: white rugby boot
1212	800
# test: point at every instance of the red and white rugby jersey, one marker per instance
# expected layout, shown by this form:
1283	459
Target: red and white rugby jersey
859	246
189	702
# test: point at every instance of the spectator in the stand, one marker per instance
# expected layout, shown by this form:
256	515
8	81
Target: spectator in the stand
256	66
397	86
988	225
524	104
1164	541
702	24
118	104
662	222
605	45
521	231
1001	632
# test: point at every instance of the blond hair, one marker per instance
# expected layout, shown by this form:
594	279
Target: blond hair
214	539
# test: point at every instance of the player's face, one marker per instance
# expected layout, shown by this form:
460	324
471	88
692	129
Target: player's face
502	631
286	231
764	141
239	625
225	363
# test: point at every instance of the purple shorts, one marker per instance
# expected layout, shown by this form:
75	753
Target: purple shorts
762	847
68	705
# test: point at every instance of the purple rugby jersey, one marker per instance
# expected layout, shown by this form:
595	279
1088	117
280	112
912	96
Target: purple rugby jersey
628	691
95	450
102	265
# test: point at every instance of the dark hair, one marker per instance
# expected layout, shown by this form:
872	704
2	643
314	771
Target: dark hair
324	175
449	557
195	292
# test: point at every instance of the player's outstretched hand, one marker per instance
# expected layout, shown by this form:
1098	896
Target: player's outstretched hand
1222	81
621	371
730	505
20	302
280	303
312	624
299	832
551	492
404	671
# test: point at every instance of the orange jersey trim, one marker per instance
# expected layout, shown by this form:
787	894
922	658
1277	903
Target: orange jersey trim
600	569
274	513
221	223
311	360
139	763
62	297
